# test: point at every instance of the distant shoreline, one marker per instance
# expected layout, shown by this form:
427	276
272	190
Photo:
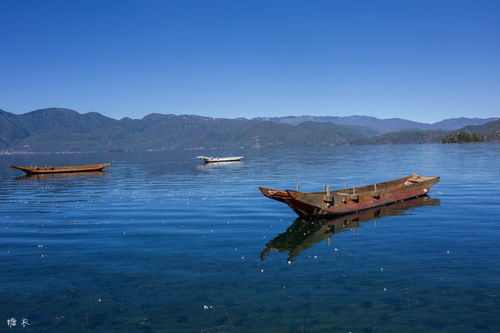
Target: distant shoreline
226	148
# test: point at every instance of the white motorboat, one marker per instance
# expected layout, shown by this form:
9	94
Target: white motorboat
211	159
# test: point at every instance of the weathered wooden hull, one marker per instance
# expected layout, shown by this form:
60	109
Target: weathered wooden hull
340	202
53	170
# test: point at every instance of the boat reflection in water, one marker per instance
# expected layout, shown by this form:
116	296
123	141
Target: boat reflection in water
304	233
215	165
63	175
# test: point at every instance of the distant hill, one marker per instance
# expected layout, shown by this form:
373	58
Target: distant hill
405	137
57	129
490	132
463	137
457	123
383	125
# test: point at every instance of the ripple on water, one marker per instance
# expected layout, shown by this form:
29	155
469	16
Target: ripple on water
162	243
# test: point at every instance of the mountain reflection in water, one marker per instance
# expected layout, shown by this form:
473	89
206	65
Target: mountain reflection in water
304	233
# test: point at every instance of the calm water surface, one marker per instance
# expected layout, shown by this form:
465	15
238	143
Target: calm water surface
160	243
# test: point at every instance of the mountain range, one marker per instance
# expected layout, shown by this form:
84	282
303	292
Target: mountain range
383	125
57	129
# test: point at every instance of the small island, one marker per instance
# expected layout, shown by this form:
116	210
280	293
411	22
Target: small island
463	137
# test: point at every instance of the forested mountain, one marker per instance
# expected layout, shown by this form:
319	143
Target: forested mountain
56	129
489	132
405	137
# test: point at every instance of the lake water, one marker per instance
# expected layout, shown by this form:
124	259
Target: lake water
161	243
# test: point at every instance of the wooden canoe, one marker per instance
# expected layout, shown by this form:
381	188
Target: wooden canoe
305	233
220	159
353	199
65	169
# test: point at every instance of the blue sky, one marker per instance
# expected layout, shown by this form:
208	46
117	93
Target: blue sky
420	60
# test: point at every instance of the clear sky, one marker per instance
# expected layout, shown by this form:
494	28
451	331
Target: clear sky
420	60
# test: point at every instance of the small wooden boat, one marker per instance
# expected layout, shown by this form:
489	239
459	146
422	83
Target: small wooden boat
353	199
220	159
48	170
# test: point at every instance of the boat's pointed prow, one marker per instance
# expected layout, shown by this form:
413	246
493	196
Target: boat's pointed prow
268	192
275	194
265	191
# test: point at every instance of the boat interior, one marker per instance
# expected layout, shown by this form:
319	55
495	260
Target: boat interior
408	180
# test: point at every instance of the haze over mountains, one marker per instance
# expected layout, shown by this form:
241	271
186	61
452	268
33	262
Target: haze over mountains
57	129
383	125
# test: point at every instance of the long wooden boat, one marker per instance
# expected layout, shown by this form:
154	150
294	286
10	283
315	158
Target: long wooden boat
304	233
220	159
353	199
65	169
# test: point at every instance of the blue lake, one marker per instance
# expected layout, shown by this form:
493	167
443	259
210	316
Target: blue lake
161	243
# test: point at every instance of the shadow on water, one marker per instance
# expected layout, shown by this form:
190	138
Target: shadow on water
216	165
66	175
304	233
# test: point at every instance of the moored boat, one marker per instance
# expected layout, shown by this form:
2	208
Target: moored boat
220	159
353	199
64	169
